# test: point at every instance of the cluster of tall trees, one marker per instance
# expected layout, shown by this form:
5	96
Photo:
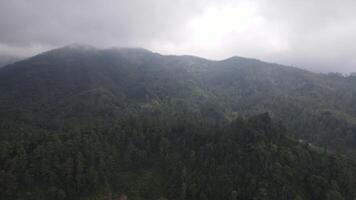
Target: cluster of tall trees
152	158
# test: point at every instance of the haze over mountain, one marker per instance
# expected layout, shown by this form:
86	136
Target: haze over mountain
5	60
232	87
84	123
80	122
177	100
316	35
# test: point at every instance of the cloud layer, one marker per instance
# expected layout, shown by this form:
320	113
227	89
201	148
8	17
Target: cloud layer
315	34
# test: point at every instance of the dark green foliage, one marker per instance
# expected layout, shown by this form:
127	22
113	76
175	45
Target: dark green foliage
145	159
74	85
82	123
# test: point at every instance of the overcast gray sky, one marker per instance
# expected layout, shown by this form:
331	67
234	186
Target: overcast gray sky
318	35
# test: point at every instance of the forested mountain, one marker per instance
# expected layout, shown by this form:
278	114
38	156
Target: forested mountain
82	82
84	123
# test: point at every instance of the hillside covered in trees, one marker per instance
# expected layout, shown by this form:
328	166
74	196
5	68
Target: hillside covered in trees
84	123
153	157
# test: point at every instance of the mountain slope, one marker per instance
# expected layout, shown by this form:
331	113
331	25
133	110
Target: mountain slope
84	123
5	60
165	157
316	107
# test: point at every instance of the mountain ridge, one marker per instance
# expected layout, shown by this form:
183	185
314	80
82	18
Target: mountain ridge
85	47
234	86
83	123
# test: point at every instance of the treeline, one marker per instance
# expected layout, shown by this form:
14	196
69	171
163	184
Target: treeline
169	157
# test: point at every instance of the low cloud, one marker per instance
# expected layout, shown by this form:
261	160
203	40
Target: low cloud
313	34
